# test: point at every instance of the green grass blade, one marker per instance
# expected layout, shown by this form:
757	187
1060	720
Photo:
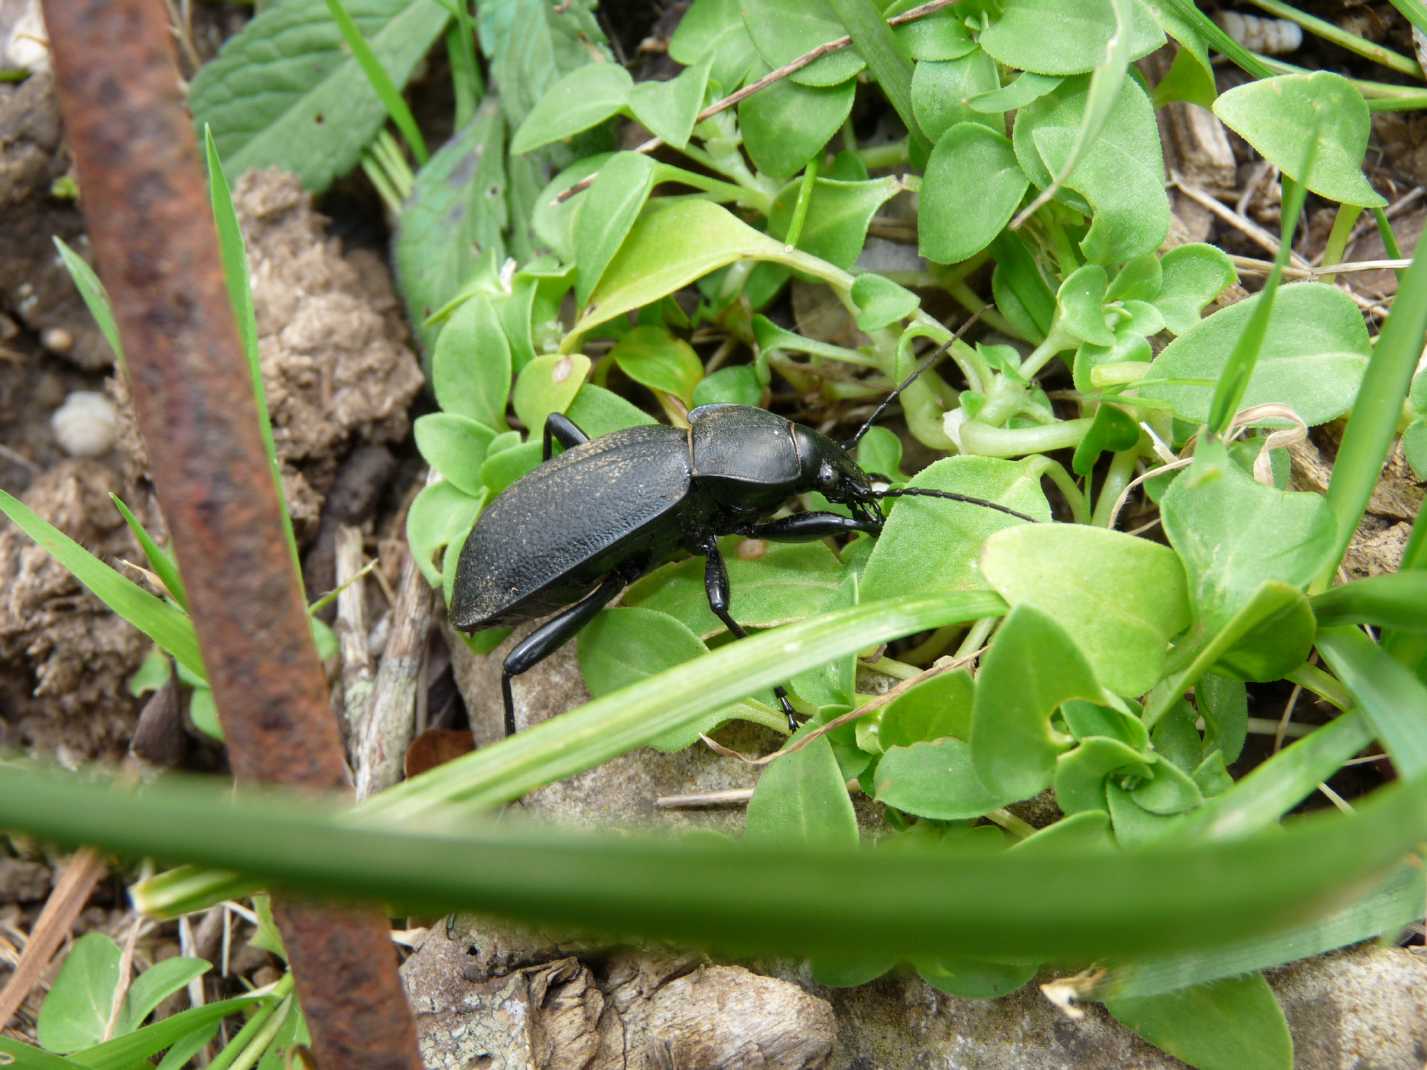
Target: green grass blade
235	273
617	723
1373	421
386	89
94	295
159	560
24	1057
170	628
1208	29
133	1049
1392	698
1238	369
873	38
465	75
1258	799
1395	600
1061	904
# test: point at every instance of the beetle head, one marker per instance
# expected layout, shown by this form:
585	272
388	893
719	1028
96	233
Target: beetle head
830	469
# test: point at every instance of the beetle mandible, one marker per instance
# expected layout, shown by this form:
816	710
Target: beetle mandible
566	538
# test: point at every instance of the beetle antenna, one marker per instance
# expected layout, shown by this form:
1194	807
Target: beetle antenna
908	381
927	492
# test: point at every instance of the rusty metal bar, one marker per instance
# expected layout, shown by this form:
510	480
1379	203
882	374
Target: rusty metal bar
146	206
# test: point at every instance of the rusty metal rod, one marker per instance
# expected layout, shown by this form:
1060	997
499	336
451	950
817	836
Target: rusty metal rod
146	206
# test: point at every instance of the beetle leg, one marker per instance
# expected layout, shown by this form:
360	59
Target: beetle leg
563	430
716	587
553	634
807	526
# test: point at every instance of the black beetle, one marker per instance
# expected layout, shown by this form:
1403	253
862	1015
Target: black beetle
570	535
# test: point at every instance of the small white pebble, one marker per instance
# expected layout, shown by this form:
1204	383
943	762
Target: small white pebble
86	425
57	339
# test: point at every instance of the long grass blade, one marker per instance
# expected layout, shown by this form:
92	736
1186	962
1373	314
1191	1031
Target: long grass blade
386	89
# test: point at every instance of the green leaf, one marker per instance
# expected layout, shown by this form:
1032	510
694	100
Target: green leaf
669	108
659	360
76	1011
932	545
1277	641
1080	305
1312	359
972	187
155	985
438	516
1026	88
936	709
674	242
783	30
1122	598
714	29
736	385
787	124
583	98
838	216
531	44
769	584
1080	773
1031	668
504	468
801	799
608	210
942	92
286	92
1194	275
1414	447
548	384
1169	790
1233	534
970	978
597	411
203	712
456	212
1233	1024
134	1049
881	302
1052	37
470	370
1120	173
1114	430
1224	704
167	626
937	780
1296	118
455	446
940	35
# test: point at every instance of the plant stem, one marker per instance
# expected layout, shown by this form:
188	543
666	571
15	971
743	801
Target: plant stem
986	441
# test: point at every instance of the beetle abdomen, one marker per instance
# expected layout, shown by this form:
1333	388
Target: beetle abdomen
553	535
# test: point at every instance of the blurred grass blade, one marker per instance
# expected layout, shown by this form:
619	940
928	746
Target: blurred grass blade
170	628
1239	368
235	274
94	295
1063	903
386	89
1395	600
1372	424
1395	904
1392	698
159	560
617	723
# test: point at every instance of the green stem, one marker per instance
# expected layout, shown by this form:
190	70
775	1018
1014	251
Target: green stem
805	198
879	157
1343	221
258	1046
984	441
226	1058
970	300
1117	477
1315	680
1386	57
1053	470
748	197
